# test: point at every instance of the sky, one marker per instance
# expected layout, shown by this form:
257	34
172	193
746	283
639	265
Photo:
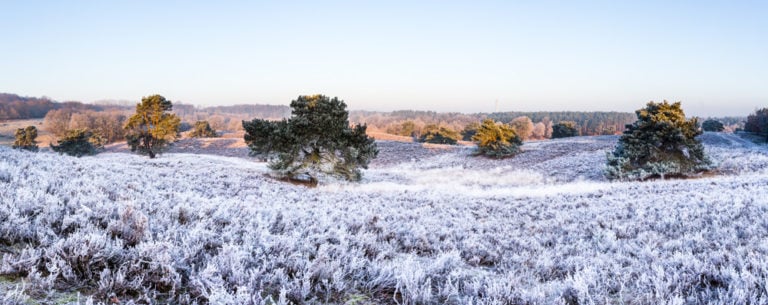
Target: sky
462	56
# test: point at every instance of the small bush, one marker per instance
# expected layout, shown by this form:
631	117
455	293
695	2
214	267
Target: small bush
712	125
202	129
565	129
496	140
660	143
26	138
439	135
78	143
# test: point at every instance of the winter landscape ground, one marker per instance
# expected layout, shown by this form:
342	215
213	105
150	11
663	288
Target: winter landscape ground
427	225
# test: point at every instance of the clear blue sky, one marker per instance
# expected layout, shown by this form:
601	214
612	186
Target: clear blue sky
387	55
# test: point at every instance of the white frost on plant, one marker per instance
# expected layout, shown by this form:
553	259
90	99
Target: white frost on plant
543	227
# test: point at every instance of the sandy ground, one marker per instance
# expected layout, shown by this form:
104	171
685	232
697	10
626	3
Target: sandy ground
8	129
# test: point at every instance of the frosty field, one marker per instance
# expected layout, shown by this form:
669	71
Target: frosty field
427	225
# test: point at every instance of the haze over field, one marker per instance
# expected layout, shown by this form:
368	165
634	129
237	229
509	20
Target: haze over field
429	55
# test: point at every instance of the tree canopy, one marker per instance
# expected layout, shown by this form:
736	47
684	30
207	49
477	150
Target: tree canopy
662	142
153	126
317	140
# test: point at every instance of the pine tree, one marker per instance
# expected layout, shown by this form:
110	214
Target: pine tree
496	140
316	141
662	142
26	138
78	143
153	126
202	129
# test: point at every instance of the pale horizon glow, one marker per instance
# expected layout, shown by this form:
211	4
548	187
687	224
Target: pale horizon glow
442	56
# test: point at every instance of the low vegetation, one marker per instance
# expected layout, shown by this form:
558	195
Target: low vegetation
316	141
662	142
449	229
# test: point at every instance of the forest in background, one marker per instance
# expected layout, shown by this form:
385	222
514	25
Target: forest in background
108	117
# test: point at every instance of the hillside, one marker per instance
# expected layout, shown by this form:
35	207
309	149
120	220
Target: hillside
427	225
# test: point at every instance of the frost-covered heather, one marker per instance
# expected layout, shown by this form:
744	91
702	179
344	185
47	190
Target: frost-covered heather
440	228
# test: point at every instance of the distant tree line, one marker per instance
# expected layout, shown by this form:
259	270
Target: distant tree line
529	125
229	117
589	123
15	107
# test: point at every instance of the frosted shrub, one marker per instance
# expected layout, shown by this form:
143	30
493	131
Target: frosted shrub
131	226
214	230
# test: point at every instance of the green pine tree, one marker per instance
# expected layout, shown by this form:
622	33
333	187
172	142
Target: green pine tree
662	142
316	141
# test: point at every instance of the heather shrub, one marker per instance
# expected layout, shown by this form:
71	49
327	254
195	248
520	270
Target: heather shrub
662	142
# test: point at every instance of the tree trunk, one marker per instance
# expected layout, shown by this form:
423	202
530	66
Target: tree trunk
148	147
